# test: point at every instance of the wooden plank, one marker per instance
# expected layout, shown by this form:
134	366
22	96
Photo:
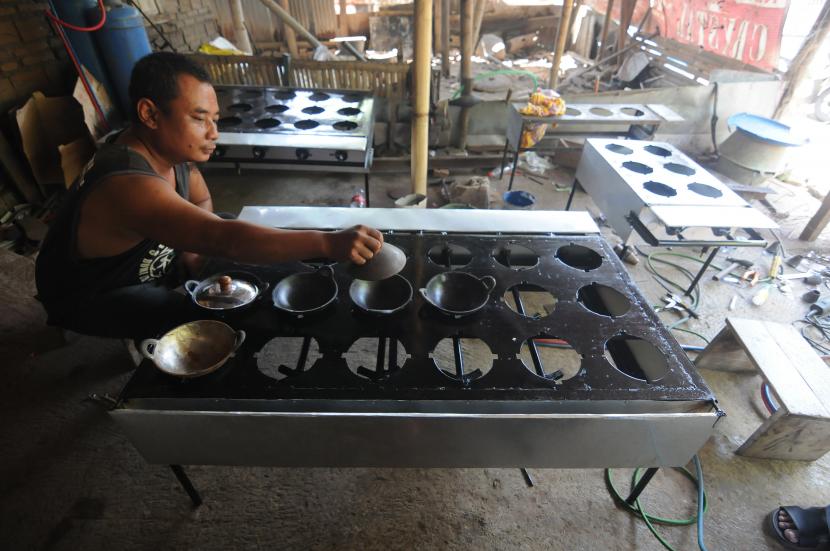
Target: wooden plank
810	367
775	367
789	437
818	222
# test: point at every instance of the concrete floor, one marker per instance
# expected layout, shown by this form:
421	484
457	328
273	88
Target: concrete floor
70	480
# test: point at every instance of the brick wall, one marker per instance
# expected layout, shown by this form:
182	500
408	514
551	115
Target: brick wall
31	54
187	24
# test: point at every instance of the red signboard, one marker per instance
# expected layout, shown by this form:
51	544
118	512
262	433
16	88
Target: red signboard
746	30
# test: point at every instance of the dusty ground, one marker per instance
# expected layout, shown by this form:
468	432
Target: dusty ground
70	480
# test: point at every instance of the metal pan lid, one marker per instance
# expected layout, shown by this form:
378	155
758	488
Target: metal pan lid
223	291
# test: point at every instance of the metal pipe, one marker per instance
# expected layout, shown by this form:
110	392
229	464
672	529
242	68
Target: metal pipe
534	352
352	50
605	25
381	359
301	361
459	358
445	37
291	25
420	114
561	39
240	33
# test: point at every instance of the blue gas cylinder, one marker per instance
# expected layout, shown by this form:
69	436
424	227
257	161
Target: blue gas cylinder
73	11
122	41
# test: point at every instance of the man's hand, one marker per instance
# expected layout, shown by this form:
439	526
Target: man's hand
357	244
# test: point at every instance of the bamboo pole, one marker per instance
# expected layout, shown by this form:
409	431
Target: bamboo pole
437	22
561	38
420	115
479	17
467	21
240	33
445	37
626	13
605	25
799	68
342	24
290	26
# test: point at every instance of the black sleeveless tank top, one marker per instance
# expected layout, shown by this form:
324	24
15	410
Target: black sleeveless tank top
62	276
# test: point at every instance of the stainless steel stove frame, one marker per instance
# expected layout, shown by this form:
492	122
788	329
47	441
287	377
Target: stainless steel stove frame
414	415
295	128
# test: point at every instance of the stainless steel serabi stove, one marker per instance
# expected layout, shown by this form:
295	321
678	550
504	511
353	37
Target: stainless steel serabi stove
635	400
294	128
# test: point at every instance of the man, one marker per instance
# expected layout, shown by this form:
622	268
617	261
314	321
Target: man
141	207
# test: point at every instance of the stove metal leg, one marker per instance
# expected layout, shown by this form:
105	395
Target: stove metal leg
504	157
527	477
702	271
513	171
641	485
534	353
381	358
571	194
187	485
366	183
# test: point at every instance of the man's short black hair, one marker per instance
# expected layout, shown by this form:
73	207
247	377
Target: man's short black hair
155	77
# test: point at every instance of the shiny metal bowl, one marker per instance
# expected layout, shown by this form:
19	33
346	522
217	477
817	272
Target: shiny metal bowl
193	349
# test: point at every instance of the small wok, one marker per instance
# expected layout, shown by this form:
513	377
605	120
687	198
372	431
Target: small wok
381	297
307	292
193	349
458	293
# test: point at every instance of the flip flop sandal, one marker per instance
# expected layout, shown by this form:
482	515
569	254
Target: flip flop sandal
812	524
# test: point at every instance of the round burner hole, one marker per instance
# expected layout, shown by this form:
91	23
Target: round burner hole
344	126
476	358
313	110
517	257
349	111
284	94
636	357
319	96
679	169
282	357
632	112
705	190
228	122
603	300
267	123
375	358
530	301
241	107
601	111
450	256
277	108
351	98
571	112
306	124
579	257
639	168
617	148
657	150
660	189
558	360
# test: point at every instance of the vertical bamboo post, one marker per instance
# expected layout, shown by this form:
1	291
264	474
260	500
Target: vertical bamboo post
342	24
479	17
240	34
605	25
445	37
288	32
561	39
437	22
420	115
467	22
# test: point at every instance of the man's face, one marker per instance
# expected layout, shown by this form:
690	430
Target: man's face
187	130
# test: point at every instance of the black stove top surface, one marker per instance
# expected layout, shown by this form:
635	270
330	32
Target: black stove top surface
626	352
